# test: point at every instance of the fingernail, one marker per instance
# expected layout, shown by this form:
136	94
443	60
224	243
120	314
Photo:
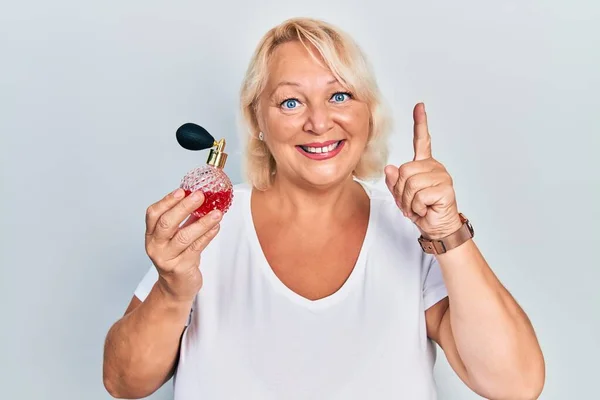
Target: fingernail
178	193
215	214
197	195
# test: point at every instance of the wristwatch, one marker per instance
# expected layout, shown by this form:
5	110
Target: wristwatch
440	246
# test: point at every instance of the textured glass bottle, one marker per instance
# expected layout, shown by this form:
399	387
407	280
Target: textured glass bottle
210	178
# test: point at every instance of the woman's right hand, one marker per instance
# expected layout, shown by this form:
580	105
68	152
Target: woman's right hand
174	248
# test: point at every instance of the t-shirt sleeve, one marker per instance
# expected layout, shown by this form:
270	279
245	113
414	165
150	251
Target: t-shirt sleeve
146	284
434	288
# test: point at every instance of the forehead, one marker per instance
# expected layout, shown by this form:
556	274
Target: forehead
291	61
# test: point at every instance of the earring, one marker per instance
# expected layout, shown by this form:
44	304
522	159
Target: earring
261	136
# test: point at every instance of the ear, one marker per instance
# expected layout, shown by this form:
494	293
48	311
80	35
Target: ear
257	119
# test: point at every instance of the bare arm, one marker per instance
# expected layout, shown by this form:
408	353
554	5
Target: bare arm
141	349
487	338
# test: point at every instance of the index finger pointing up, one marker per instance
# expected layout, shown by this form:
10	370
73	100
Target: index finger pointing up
421	140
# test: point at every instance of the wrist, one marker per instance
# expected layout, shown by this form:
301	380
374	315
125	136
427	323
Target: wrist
163	309
444	231
170	298
447	239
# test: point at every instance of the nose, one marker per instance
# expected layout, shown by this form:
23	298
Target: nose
318	121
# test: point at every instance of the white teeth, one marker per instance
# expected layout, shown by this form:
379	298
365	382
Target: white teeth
324	149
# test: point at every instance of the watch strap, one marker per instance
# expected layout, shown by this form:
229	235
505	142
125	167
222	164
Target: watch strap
441	246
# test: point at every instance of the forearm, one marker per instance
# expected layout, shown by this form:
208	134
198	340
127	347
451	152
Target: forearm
141	349
493	336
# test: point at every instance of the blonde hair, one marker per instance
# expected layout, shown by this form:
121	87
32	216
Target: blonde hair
349	66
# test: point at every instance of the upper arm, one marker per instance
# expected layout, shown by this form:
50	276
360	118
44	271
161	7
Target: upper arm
437	315
437	318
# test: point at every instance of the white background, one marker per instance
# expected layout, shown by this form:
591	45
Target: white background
91	94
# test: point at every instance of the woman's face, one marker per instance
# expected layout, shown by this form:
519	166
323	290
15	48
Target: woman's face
315	129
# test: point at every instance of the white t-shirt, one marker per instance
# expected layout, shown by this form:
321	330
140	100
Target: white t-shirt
251	337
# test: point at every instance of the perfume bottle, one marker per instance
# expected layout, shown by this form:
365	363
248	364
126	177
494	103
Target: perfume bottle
209	178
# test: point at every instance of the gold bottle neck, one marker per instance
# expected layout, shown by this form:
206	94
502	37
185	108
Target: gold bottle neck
217	157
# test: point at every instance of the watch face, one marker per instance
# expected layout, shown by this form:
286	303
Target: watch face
470	228
466	221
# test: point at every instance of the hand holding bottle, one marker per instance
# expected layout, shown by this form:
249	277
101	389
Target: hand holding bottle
175	248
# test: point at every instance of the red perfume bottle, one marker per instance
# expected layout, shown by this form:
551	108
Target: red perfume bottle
209	178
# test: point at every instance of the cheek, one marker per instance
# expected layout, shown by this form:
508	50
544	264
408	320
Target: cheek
355	121
281	128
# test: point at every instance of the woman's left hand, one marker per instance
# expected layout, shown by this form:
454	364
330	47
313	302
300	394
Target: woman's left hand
423	189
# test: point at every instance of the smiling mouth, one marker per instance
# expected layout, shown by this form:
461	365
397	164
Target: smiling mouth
320	150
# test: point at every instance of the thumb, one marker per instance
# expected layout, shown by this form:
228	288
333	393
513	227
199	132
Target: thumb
391	177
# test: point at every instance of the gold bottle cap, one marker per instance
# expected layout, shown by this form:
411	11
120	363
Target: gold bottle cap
216	156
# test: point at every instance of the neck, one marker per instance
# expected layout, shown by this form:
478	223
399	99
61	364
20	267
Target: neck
298	201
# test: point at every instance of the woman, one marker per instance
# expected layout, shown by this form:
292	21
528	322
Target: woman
313	285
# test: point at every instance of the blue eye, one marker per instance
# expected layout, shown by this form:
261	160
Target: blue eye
340	97
290	103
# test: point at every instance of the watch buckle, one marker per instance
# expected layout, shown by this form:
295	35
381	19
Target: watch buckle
432	246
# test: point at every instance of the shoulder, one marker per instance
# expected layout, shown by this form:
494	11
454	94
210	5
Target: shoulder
388	220
240	201
395	237
242	188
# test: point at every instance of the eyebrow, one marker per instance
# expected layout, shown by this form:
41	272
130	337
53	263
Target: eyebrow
291	83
